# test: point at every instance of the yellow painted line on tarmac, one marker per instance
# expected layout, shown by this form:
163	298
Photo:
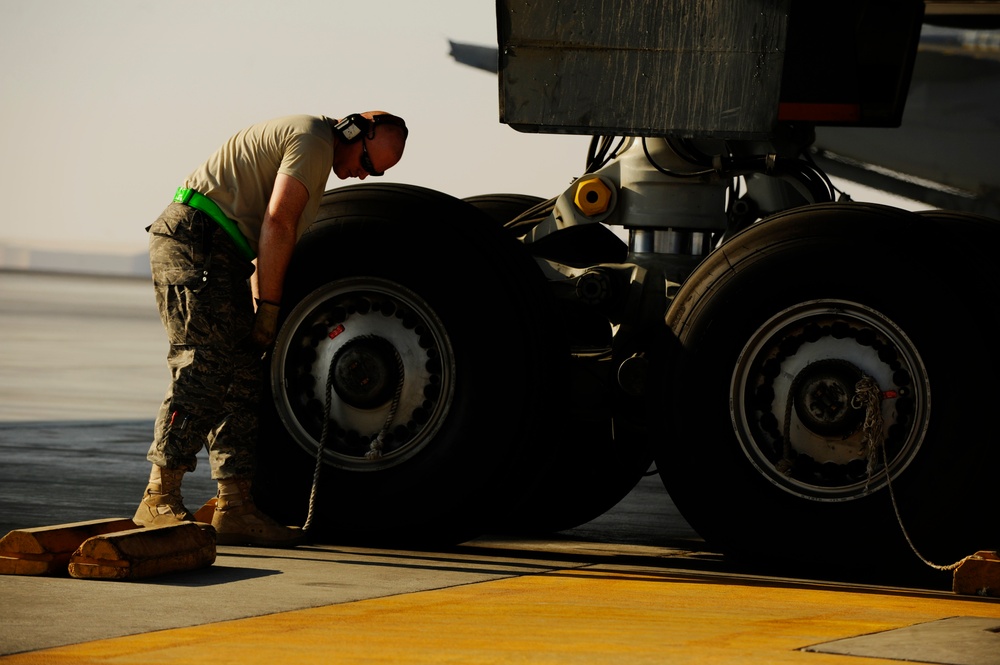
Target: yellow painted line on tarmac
596	615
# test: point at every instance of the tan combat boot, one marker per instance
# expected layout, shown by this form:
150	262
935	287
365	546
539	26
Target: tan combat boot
237	520
162	503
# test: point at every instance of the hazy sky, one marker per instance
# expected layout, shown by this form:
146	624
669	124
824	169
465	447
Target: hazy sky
108	104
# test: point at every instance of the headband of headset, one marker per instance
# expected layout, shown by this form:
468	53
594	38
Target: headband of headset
354	126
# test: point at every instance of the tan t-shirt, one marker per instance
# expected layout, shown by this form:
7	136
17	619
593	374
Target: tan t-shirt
239	177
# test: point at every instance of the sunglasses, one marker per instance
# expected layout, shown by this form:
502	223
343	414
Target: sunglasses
366	161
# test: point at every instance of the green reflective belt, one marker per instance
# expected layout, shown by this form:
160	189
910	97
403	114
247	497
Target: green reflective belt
208	206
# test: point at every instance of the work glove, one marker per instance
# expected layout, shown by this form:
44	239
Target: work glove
265	325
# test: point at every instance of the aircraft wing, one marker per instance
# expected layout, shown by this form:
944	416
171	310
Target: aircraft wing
944	151
474	55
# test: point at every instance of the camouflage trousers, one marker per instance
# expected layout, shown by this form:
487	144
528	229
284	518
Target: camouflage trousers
203	294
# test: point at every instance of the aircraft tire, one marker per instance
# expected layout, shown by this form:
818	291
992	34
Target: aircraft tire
588	459
768	330
446	309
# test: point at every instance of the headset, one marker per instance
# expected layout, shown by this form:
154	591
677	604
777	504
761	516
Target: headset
355	126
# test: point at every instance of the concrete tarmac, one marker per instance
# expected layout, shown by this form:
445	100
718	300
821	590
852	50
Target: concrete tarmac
81	375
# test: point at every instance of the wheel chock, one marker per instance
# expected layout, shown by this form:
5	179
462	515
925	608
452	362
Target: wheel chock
46	550
137	554
978	575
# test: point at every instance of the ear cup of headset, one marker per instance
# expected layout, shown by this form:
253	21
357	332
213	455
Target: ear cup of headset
355	126
352	128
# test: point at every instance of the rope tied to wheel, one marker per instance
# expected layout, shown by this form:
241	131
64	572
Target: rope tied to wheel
868	396
375	447
378	442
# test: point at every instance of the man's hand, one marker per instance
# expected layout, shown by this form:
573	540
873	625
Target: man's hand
265	325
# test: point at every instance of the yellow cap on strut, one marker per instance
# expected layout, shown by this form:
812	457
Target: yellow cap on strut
592	196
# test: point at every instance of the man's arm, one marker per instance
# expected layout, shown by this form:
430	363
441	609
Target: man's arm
277	235
274	251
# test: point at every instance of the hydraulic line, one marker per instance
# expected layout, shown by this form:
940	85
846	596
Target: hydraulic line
600	152
673	174
531	217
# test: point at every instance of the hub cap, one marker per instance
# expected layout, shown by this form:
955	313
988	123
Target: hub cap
387	361
794	405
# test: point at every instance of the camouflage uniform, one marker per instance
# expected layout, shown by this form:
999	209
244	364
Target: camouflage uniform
206	307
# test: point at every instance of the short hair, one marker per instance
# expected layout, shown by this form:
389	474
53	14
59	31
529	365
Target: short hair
383	118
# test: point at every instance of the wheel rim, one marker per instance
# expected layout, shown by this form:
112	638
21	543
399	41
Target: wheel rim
798	373
393	373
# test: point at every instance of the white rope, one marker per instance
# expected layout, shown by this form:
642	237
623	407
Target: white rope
322	444
375	449
868	396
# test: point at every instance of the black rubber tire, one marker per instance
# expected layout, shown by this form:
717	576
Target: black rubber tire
599	455
481	290
880	258
588	458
